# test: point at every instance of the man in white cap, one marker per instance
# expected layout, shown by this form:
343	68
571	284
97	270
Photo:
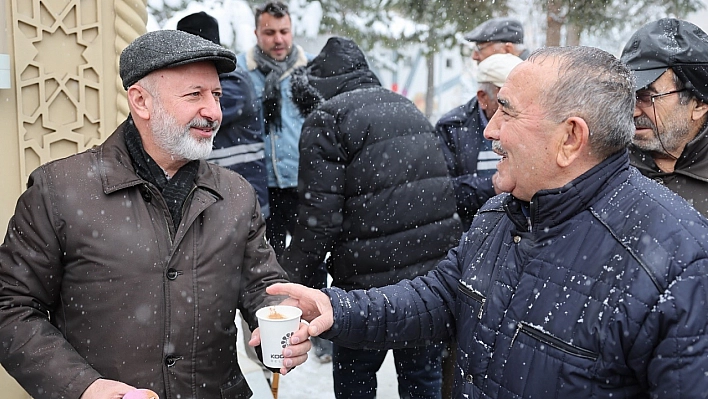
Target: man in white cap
469	156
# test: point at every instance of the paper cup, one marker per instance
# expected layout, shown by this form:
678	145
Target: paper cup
277	324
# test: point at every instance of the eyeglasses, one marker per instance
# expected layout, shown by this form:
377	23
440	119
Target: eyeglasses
479	48
645	98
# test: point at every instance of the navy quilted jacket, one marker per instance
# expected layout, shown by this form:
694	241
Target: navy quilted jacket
602	292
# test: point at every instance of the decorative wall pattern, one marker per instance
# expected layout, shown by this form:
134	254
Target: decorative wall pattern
131	18
64	71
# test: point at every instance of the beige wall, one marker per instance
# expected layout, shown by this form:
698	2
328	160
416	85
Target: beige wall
66	94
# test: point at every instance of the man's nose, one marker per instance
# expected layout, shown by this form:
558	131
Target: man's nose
212	109
637	111
491	132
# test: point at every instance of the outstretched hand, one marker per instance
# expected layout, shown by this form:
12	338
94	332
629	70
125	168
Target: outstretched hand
315	305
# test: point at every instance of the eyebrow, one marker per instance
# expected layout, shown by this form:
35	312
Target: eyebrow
504	103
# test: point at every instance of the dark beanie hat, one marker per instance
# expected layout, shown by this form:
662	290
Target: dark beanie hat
669	43
169	48
201	24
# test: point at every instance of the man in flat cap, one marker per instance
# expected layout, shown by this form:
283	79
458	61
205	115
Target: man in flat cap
669	58
123	266
498	36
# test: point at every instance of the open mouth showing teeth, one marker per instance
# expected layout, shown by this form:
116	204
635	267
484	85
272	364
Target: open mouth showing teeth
497	148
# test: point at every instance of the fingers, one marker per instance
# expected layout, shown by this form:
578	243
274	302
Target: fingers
296	353
103	388
255	337
301	335
295	291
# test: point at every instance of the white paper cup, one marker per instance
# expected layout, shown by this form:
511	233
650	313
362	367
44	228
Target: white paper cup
277	324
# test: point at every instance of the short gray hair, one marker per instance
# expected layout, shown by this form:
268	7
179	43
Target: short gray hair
489	88
596	86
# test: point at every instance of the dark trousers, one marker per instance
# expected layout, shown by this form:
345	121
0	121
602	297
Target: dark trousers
419	372
283	217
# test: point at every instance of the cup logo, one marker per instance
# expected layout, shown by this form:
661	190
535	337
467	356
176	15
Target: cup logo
285	341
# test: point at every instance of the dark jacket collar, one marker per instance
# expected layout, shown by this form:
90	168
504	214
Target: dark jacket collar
550	208
117	171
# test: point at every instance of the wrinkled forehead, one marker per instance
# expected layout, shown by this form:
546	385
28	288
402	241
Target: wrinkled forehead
527	77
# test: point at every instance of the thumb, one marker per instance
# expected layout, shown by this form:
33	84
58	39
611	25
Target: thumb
255	337
319	325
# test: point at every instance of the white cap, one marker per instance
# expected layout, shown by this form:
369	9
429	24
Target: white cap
495	68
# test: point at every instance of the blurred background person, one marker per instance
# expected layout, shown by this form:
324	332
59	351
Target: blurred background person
468	154
269	64
501	35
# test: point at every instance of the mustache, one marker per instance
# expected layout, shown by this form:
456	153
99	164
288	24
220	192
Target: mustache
497	147
643	122
201	123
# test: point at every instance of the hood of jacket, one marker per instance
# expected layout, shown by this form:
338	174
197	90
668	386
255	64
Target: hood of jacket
339	68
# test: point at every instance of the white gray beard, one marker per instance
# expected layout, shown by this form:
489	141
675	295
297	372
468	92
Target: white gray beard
176	140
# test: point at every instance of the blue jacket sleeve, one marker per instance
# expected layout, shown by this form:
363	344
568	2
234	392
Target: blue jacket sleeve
234	96
680	324
410	313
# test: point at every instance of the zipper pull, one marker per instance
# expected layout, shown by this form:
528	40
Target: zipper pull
516	333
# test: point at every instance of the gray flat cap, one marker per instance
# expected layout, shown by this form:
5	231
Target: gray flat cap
170	48
507	30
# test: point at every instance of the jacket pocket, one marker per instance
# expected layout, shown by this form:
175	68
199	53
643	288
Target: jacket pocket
474	295
545	338
236	388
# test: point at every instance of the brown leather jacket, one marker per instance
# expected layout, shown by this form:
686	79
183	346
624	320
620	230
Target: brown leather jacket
92	284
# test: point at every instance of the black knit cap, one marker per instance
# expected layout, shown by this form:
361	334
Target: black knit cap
669	43
170	48
201	24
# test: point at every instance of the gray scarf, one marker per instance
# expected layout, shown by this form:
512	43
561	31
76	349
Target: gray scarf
273	71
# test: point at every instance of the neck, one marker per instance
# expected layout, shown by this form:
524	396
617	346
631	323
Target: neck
665	162
169	164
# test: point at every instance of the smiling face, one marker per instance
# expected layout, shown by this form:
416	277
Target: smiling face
522	135
274	36
184	112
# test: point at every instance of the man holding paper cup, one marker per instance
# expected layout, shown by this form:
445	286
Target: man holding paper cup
124	266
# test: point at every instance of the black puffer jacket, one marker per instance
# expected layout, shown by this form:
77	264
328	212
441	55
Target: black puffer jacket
374	188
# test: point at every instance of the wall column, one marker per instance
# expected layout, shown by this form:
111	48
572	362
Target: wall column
65	94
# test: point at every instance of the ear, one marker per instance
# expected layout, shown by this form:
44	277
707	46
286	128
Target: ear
699	110
483	99
509	48
140	102
574	141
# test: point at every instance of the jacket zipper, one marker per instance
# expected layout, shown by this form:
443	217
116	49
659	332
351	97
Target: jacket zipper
273	159
475	295
553	342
